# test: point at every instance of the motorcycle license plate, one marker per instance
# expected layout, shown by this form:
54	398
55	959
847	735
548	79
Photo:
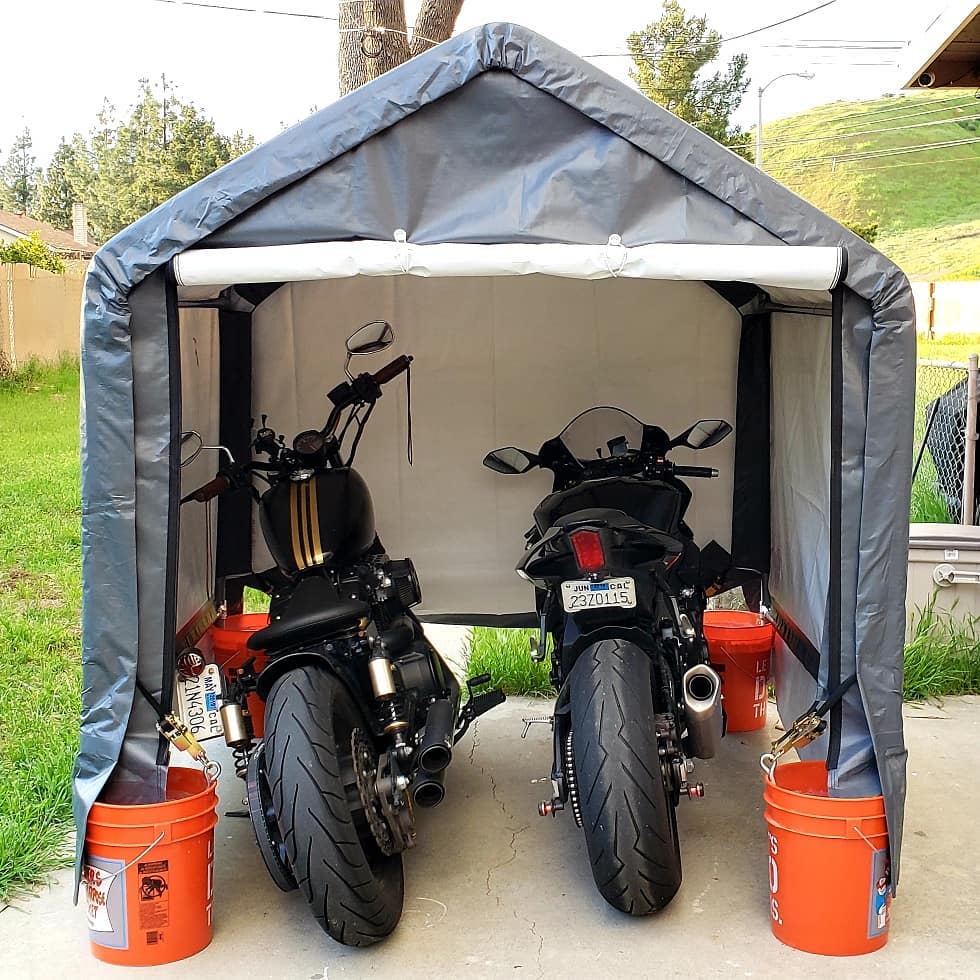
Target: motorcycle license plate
581	596
199	703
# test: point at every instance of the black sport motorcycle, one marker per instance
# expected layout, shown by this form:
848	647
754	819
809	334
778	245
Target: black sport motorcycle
361	711
620	589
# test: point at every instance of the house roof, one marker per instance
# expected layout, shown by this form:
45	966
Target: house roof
947	55
56	239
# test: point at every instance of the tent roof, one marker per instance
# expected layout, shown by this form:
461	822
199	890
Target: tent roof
211	204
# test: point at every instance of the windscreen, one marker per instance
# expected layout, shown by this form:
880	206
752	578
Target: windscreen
598	432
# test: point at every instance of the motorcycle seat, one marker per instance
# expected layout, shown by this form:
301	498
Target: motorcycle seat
314	610
608	516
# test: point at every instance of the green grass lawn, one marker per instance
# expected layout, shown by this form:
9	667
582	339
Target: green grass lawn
40	598
505	654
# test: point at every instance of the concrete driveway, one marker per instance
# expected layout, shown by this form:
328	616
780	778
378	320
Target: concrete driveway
493	890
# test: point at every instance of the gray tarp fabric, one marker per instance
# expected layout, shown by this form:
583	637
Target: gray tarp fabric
500	136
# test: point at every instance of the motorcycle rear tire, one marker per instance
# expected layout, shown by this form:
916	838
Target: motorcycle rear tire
354	891
628	818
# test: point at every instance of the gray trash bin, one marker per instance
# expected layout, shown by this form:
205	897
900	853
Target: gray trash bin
944	560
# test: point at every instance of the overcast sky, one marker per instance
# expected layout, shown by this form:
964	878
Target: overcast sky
255	71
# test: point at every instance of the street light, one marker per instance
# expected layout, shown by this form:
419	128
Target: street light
758	126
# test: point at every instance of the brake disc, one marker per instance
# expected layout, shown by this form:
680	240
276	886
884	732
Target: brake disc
365	761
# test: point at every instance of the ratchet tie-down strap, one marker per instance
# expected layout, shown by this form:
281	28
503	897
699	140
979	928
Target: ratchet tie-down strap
808	727
175	731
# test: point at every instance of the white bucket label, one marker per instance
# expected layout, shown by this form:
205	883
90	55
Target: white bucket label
774	912
105	901
881	886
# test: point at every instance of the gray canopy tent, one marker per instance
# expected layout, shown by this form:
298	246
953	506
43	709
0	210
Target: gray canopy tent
543	239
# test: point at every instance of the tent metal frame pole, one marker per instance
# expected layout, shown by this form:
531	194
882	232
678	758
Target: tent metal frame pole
835	596
968	509
801	310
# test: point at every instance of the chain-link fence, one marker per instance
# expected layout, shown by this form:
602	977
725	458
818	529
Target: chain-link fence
940	446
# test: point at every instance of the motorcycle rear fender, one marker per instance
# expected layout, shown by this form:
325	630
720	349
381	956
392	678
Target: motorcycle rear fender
281	665
577	640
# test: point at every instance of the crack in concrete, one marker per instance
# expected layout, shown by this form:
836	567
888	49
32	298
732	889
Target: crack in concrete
503	864
540	939
532	928
515	833
489	776
476	741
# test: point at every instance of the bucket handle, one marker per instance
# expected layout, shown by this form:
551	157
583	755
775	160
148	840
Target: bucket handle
857	830
140	856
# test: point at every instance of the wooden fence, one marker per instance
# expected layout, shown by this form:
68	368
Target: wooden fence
39	312
947	307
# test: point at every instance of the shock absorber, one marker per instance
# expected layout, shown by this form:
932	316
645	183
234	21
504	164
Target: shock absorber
382	677
236	735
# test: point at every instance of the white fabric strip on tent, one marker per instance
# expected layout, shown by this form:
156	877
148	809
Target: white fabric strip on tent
796	267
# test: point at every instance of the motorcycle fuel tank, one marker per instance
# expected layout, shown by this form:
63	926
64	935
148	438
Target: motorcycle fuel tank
327	519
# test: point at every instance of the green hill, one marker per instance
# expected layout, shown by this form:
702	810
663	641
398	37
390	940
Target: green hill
926	202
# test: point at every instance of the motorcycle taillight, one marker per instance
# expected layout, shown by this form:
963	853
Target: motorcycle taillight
587	546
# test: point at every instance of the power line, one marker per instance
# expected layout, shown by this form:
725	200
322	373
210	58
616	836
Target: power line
926	112
721	40
808	162
907	100
779	23
909	163
865	132
837	45
246	10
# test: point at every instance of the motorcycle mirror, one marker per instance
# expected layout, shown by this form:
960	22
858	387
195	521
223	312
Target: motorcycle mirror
372	337
703	434
191	444
510	460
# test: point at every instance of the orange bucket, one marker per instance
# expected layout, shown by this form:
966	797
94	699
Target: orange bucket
829	880
147	874
741	642
230	653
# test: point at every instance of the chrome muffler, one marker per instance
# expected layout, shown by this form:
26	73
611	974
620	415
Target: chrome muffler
702	700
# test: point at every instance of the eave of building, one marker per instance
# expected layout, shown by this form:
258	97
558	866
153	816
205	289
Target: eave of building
948	51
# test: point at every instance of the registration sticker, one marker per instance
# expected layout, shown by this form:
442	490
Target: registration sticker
583	596
199	703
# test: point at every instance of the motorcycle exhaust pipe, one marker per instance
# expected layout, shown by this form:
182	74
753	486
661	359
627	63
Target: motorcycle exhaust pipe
436	750
702	700
429	789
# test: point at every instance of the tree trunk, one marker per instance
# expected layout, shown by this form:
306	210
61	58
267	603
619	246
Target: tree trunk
374	36
352	67
434	23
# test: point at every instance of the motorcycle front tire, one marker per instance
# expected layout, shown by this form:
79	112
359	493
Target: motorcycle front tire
354	891
628	818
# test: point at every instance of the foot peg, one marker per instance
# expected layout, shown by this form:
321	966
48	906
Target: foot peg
478	704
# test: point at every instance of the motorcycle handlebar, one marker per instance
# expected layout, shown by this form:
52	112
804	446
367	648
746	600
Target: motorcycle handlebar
692	471
210	490
392	370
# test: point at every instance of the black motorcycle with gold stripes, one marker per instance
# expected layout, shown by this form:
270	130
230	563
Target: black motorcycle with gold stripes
361	711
